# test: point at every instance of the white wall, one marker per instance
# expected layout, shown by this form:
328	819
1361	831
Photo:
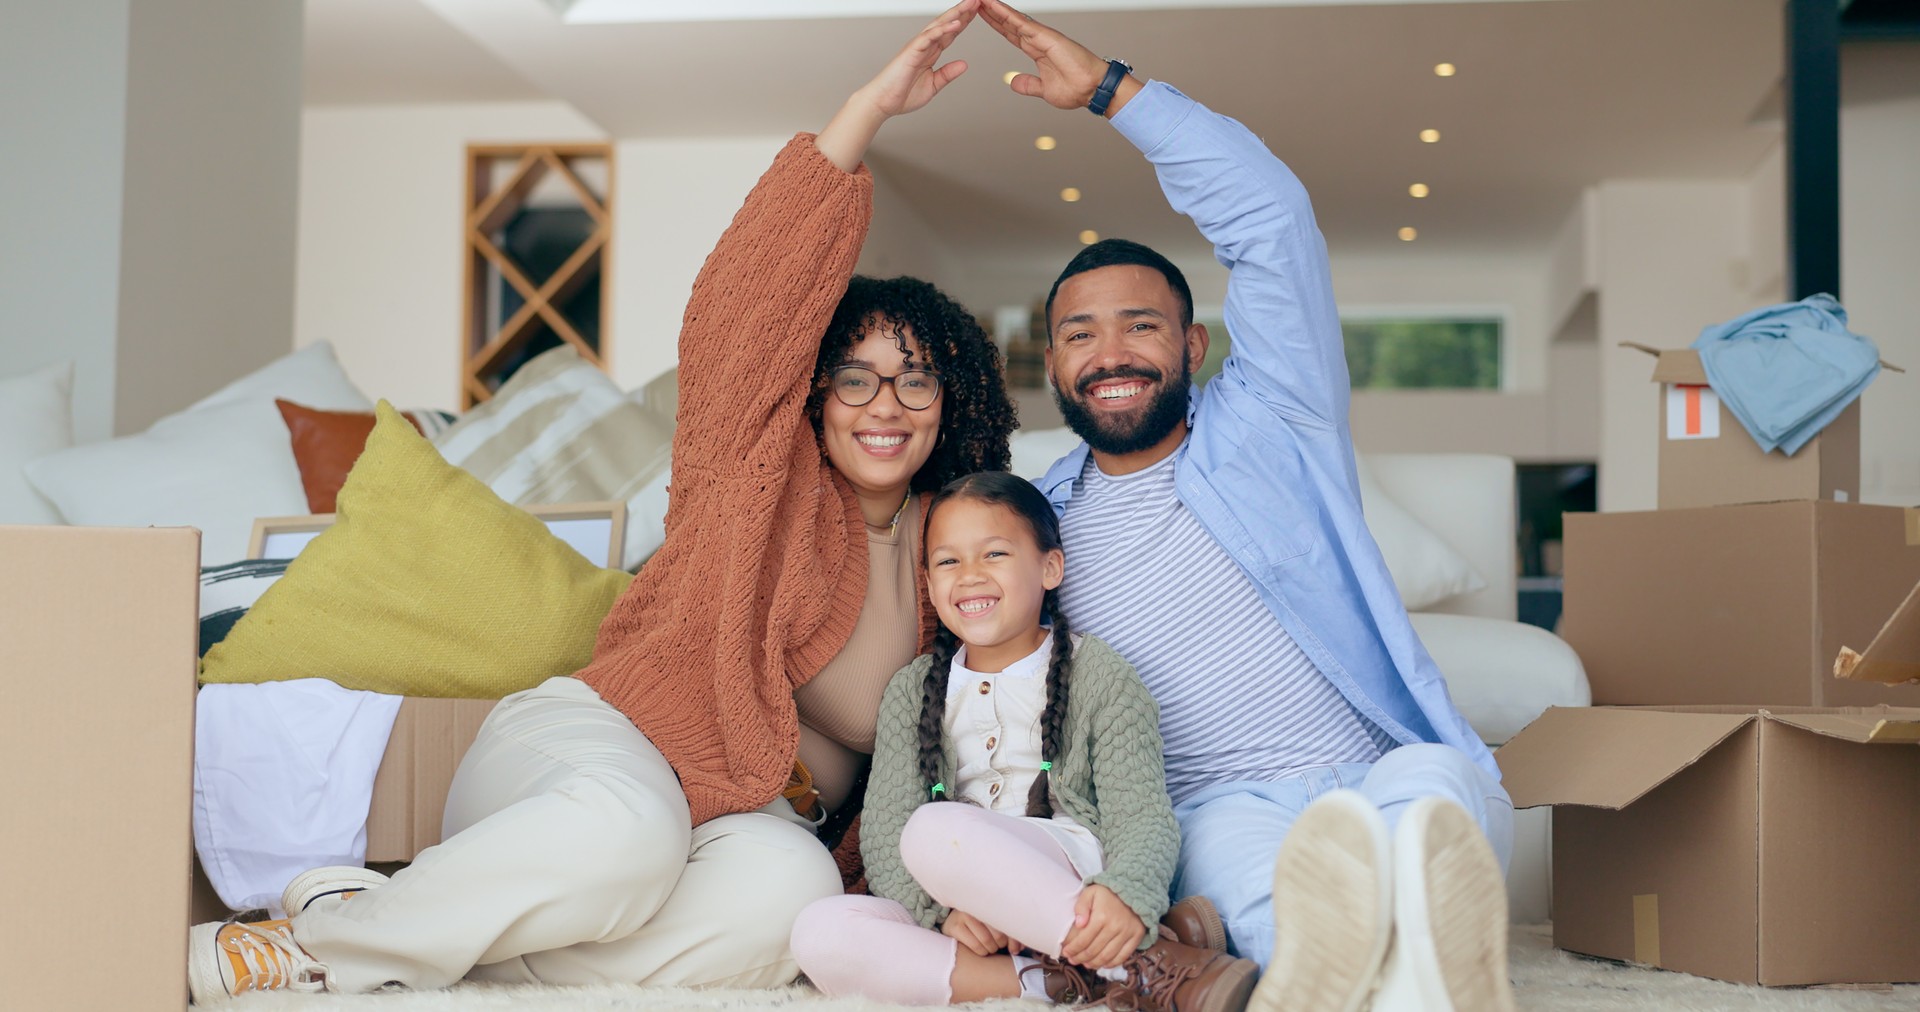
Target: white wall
674	198
212	178
380	210
1673	259
1880	256
63	91
147	206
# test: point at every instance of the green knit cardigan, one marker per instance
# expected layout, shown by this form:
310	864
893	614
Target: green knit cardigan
1110	779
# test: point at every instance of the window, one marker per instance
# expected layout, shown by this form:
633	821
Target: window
1430	352
1423	352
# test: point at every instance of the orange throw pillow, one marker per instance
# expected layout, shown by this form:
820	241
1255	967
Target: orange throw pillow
325	445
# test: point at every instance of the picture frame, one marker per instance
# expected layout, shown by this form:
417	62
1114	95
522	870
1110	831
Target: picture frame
597	530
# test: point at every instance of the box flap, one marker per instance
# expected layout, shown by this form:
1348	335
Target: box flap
1894	655
1874	726
1606	757
1673	365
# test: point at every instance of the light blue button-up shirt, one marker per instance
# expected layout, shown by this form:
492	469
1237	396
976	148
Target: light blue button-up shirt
1268	465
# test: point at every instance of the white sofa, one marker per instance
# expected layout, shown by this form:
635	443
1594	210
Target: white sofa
1502	673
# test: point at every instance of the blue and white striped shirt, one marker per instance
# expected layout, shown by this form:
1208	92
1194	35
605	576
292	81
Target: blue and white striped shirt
1239	700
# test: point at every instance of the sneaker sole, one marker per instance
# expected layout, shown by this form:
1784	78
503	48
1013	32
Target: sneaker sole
1333	909
205	984
314	883
1450	911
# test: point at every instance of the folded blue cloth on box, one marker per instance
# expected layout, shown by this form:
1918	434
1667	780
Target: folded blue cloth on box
1786	371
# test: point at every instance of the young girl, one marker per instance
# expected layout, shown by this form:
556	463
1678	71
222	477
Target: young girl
1017	834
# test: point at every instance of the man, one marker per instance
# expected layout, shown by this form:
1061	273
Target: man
1334	805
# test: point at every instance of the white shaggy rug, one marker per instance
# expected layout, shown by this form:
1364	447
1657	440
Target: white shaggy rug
1544	979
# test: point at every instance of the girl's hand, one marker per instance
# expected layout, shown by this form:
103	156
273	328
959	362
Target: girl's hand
907	82
973	933
1105	930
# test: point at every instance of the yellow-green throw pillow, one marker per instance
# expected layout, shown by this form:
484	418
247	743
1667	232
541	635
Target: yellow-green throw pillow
426	585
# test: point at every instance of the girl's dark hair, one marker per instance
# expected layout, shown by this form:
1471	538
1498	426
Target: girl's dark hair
976	416
1016	494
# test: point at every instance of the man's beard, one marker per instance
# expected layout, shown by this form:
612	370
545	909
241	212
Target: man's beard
1117	436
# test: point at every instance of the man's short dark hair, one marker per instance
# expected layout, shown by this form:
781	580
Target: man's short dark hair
1117	253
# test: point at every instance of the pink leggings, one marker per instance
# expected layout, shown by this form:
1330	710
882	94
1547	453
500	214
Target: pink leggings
1008	873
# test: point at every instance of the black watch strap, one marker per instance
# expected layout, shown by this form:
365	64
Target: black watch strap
1103	95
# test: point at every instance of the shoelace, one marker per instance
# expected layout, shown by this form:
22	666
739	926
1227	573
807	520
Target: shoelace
273	960
1077	990
1149	977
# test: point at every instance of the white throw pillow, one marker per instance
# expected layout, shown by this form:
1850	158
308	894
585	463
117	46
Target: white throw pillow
215	466
36	418
560	431
1502	674
1425	569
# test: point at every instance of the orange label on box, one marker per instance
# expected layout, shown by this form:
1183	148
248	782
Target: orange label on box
1693	412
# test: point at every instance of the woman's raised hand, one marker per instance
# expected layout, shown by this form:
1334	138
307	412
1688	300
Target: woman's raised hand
907	82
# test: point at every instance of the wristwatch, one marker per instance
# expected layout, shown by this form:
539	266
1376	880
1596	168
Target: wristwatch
1103	95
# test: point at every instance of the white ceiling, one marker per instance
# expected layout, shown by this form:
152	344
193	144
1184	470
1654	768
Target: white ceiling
1550	97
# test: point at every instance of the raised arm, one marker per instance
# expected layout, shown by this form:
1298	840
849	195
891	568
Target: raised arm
764	297
1287	348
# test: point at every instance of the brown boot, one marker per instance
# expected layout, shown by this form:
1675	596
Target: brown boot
1172	977
1066	983
1193	921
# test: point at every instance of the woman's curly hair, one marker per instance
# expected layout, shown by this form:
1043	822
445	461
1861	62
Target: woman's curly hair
976	415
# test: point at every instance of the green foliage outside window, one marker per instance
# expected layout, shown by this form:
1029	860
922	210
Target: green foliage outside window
1401	354
1388	354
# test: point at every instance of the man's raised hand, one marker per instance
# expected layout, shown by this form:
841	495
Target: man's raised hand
1065	73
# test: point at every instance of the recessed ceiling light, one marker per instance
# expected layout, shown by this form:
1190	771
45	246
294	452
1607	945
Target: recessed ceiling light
1418	190
1045	143
1443	70
1009	76
1070	194
1089	237
1430	135
1408	234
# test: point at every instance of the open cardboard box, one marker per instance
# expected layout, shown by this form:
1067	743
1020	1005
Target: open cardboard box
1762	846
1737	604
1708	459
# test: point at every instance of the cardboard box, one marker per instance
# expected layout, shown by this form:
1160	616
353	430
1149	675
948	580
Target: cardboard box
430	736
99	653
1736	604
1763	847
1707	458
1893	658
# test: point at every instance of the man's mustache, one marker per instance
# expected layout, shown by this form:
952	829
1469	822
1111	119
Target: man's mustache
1086	382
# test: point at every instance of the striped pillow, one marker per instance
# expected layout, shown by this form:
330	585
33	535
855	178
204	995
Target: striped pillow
560	431
226	592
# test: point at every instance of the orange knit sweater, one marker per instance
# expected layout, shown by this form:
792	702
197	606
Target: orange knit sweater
764	568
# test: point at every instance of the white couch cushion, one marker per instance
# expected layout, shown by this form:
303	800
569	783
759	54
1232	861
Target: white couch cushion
36	418
1502	674
1426	570
215	466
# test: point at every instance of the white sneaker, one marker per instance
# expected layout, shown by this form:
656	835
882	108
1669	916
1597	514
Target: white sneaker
1332	909
1450	917
335	880
225	959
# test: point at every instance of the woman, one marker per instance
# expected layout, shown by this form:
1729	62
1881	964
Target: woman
627	823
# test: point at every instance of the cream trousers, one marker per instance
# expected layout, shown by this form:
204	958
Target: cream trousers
568	859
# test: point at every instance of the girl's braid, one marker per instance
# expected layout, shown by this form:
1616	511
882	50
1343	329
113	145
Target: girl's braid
1053	720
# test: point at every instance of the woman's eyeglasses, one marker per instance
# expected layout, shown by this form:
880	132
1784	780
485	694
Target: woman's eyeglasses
916	389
